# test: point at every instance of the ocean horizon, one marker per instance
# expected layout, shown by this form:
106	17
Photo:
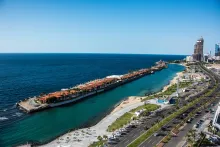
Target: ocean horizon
30	74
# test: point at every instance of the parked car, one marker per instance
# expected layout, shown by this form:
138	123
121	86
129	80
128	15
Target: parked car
113	139
163	128
117	134
146	128
111	142
199	112
201	121
156	134
189	120
197	125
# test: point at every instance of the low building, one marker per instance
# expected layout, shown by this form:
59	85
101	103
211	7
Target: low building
189	59
216	119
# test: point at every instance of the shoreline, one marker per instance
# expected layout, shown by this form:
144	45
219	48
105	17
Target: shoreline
100	128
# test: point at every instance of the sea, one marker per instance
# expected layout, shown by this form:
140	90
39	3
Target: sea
28	75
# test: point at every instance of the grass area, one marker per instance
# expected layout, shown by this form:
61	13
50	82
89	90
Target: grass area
98	143
148	98
172	88
169	90
126	118
120	122
147	107
157	126
101	141
166	139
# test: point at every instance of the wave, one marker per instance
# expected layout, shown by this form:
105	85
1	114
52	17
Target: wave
3	118
17	114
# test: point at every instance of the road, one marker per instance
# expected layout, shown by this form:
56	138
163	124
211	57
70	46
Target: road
133	134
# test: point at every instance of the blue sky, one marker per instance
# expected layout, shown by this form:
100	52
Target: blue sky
108	26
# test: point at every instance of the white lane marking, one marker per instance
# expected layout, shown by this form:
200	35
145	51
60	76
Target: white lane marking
135	135
127	141
149	141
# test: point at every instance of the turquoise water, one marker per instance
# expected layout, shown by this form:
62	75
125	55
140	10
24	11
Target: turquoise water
45	125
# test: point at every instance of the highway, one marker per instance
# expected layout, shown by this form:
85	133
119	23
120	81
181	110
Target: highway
176	140
148	121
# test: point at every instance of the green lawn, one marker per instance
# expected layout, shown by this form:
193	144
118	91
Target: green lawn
126	118
98	143
169	90
147	107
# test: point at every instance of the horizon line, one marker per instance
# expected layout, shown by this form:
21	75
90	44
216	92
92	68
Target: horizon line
85	53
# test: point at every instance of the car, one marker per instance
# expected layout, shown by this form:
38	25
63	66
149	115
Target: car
117	134
123	133
201	121
163	128
197	125
199	112
111	142
113	139
133	126
146	128
156	134
189	120
128	127
175	122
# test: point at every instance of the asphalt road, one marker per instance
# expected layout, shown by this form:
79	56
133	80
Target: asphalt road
136	132
176	140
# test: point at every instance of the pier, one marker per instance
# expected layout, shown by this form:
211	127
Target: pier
82	91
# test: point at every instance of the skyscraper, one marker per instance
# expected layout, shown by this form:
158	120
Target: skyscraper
217	49
198	50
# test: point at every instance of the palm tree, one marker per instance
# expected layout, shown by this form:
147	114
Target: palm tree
193	135
99	138
201	134
105	137
189	138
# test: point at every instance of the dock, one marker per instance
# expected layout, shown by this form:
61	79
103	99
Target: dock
82	91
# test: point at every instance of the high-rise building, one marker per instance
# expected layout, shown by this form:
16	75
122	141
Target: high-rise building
198	50
217	49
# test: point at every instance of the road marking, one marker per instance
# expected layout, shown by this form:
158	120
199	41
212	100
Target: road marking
153	142
149	141
126	141
136	135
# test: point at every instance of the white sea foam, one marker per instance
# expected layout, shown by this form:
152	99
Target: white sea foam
17	114
3	118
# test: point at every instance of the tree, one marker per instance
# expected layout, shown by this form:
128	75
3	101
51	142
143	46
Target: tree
191	136
105	137
99	138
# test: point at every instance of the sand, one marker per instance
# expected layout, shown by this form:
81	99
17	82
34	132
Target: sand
127	102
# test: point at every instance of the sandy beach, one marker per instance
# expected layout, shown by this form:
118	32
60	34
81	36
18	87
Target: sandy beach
173	81
127	102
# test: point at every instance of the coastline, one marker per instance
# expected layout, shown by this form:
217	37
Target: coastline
83	137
